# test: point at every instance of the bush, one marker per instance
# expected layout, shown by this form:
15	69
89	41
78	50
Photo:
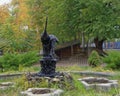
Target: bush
13	61
29	58
112	60
94	59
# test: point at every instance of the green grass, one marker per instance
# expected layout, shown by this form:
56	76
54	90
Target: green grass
78	90
36	68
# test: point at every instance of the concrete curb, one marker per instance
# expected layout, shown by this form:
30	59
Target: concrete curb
101	74
89	73
103	86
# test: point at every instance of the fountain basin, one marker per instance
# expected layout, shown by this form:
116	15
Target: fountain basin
42	92
102	84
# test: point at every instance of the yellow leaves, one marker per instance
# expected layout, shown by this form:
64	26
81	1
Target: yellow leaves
18	19
23	12
4	13
22	15
21	18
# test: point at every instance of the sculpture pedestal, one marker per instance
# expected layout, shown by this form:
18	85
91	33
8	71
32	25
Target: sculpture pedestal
48	66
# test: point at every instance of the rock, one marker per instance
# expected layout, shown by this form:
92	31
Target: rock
62	80
55	80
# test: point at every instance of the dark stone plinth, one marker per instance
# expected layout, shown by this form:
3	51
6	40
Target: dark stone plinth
48	66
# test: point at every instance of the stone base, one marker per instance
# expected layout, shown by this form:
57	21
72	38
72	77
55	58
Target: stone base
62	80
101	84
42	92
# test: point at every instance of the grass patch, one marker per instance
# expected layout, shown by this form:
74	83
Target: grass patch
79	89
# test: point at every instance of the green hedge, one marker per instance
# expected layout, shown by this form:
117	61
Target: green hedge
94	59
13	61
113	59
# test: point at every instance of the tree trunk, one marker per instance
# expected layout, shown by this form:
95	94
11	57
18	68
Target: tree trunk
83	42
99	44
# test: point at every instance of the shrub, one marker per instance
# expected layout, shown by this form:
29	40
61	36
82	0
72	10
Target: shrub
29	58
13	61
94	59
112	60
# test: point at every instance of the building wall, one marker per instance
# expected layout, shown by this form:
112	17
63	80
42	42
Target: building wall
68	51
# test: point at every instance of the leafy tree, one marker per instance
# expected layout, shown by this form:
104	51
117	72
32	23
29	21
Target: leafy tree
36	12
61	18
18	32
3	19
4	13
99	19
96	19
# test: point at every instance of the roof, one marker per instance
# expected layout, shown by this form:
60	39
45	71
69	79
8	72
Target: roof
67	44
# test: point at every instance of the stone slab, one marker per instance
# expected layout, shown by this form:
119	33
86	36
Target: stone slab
103	86
6	85
54	92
